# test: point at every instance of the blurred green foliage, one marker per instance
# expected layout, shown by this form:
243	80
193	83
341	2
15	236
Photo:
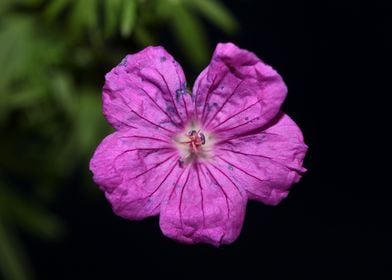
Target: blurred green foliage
53	55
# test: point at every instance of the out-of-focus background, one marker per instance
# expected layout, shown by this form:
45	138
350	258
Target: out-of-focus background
56	224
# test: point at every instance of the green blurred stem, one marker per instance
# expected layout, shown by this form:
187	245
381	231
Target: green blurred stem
13	262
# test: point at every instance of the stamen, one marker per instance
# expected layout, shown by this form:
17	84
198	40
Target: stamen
196	139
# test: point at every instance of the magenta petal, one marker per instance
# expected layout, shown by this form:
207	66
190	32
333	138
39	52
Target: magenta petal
146	89
204	206
135	169
237	92
266	164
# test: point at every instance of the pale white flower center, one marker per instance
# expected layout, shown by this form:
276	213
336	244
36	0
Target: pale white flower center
194	144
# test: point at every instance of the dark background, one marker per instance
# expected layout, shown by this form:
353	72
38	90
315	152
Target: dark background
336	220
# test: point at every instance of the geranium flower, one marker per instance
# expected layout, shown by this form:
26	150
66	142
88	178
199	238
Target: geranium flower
195	158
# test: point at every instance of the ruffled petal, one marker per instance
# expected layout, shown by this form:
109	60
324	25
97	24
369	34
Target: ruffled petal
204	206
147	89
135	169
237	92
266	164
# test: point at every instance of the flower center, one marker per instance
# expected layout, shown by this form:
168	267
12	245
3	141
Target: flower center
192	144
196	139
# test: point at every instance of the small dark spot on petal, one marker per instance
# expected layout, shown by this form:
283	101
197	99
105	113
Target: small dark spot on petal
230	167
162	58
246	118
181	163
179	92
170	109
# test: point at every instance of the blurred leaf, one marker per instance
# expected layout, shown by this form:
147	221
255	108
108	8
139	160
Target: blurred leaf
190	35
4	6
30	2
24	98
84	16
89	122
217	13
31	217
163	9
143	37
55	8
62	89
112	9
13	262
128	17
15	47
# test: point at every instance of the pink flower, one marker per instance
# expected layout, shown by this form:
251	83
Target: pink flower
196	157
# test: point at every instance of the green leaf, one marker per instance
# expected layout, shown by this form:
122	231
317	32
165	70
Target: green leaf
112	10
30	217
62	89
215	12
143	37
5	5
190	35
23	98
55	8
128	18
30	2
15	48
88	121
13	261
84	16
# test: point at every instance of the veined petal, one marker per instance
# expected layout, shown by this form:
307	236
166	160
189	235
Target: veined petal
237	92
147	89
266	164
203	206
135	169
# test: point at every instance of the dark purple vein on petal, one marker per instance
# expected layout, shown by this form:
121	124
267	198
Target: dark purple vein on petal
164	179
181	195
222	190
239	168
201	194
160	108
197	94
237	126
212	87
171	96
224	174
183	100
236	114
186	107
155	166
143	118
124	123
223	105
175	185
265	157
145	137
139	149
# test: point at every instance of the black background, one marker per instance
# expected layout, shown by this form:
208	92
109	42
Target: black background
335	222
